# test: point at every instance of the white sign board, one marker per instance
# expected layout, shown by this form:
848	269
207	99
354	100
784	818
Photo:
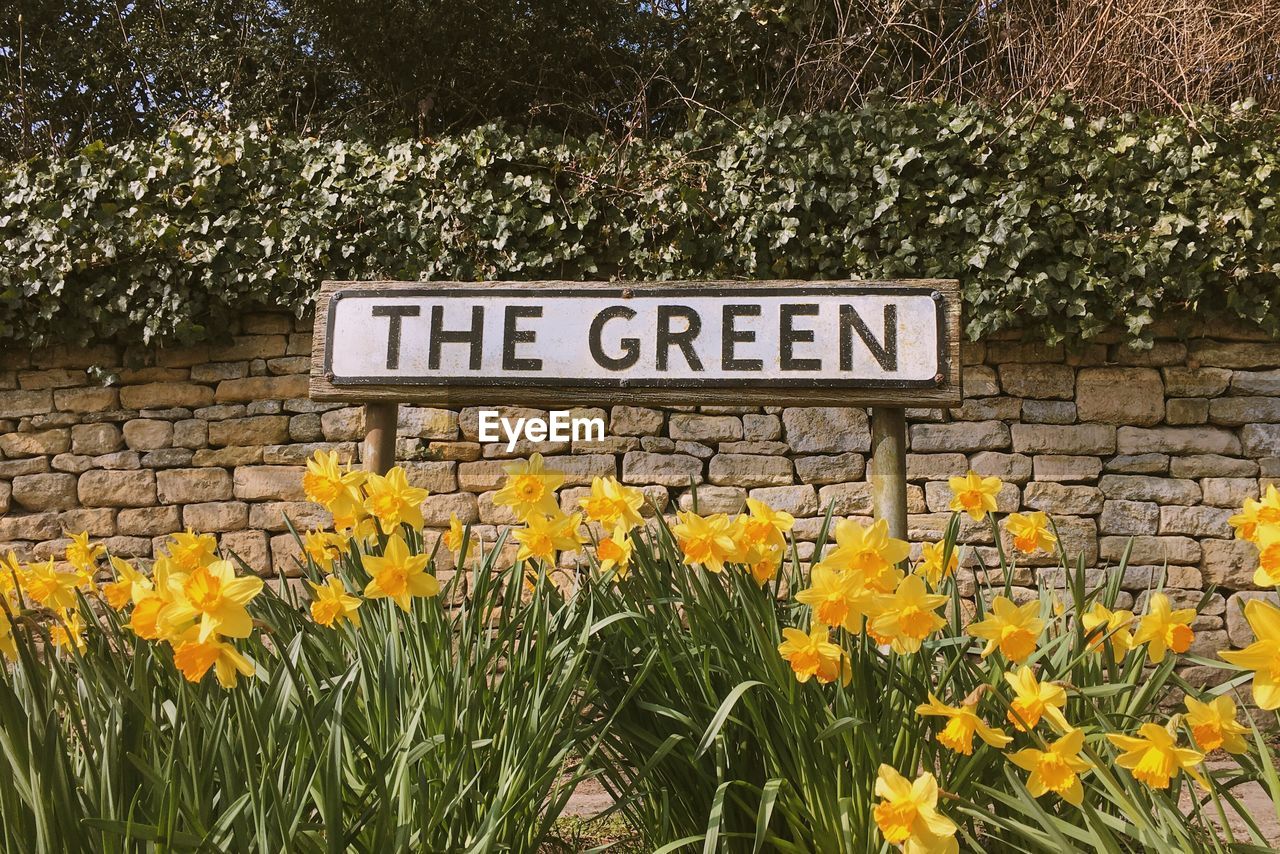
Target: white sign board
668	342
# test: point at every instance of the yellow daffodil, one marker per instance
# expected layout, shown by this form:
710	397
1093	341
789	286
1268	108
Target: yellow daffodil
1213	725
1030	532
189	551
1255	514
1033	699
144	621
974	494
706	541
1153	755
392	501
868	550
12	574
766	568
455	535
1057	769
84	555
68	631
331	603
8	643
51	587
352	522
323	548
908	816
614	506
326	483
763	531
614	553
123	590
930	566
1165	629
1268	541
837	598
962	723
1013	629
908	616
1103	626
194	656
543	537
399	575
1263	655
215	597
814	655
530	488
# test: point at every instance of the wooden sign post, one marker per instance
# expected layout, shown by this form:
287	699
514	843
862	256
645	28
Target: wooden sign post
557	345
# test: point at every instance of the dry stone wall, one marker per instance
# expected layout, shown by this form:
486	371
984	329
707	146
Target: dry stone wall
1153	448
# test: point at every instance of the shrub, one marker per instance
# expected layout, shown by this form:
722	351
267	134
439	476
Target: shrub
1054	223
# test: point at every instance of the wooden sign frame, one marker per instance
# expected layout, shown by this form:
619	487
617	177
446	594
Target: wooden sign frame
942	390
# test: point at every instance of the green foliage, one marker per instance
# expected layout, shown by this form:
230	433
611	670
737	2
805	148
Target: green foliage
714	745
1054	224
443	729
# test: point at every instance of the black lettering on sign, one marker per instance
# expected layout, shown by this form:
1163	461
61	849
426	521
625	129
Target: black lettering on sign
683	339
788	336
512	335
885	352
630	346
439	335
730	336
394	313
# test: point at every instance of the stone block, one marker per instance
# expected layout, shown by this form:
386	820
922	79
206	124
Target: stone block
20	404
845	499
749	470
1151	550
249	347
1212	465
1236	355
165	395
95	521
1015	468
30	526
96	439
216	372
277	516
149	521
42	443
1158	354
979	381
495	514
193	485
145	434
973	409
427	423
93	399
761	427
227	457
190	433
704	428
963	437
1195	382
1260	440
1056	498
1195	521
1038	380
827	429
1065	468
1236	411
933	466
1129	517
1177	440
1162	490
1067	439
71	463
796	500
261	388
119	461
433	475
256	430
1138	464
714	499
437	509
99	488
581	469
1229	563
469	419
1186	410
1227	491
343	425
268	483
1133	396
1265	383
45	491
251	547
836	468
640	467
635	421
1049	412
216	516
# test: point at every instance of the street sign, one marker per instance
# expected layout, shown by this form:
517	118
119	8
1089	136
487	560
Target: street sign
563	344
